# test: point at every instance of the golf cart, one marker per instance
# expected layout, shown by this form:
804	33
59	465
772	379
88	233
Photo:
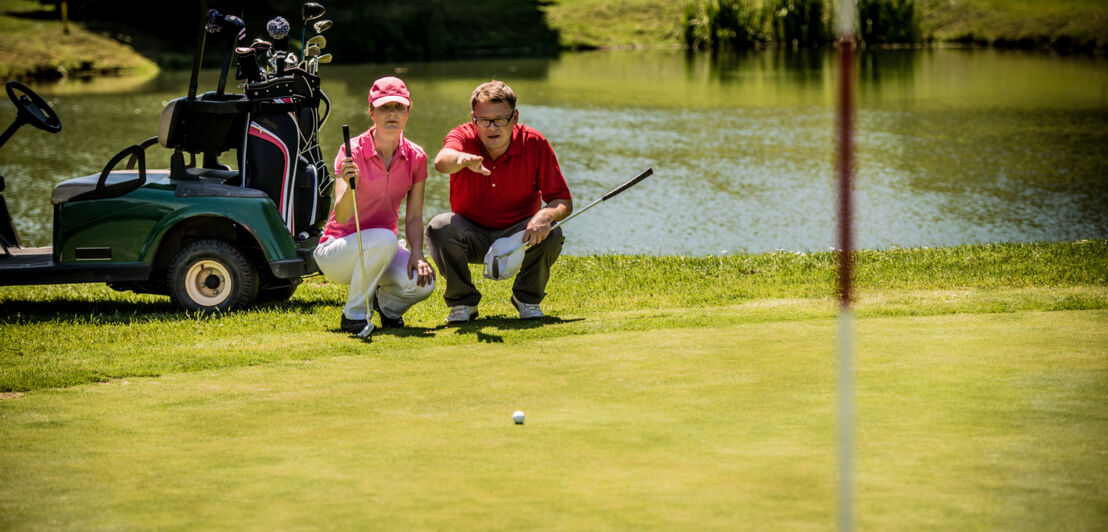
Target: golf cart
207	235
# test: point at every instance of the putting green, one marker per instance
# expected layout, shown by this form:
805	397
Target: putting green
991	421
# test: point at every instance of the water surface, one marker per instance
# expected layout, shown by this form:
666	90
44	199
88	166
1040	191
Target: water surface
954	146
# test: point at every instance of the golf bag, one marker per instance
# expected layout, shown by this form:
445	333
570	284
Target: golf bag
281	155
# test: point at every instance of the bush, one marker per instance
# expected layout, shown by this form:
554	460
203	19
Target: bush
800	22
888	22
715	24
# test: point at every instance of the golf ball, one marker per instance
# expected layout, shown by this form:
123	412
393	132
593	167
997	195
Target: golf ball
517	416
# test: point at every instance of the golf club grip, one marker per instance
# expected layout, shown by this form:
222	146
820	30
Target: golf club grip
615	191
346	143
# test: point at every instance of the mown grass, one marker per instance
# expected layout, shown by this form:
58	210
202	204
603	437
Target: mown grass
57	336
661	393
964	422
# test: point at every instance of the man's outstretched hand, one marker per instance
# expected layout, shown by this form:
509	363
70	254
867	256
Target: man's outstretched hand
473	162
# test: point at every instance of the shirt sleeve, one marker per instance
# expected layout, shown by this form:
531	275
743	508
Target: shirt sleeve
552	184
419	167
456	139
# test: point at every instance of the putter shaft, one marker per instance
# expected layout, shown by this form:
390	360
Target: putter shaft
611	193
358	230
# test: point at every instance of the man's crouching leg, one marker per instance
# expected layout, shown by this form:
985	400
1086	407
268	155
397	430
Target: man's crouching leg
451	241
530	283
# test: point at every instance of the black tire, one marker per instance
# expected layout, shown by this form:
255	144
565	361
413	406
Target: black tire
212	275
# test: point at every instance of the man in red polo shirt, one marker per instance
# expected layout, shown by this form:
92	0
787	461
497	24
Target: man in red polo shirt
501	174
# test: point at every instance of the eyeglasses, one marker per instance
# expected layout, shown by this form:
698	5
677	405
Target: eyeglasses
498	122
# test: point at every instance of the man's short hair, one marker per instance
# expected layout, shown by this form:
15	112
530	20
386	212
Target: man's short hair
493	92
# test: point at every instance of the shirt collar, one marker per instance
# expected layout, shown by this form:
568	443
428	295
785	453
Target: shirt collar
516	146
367	145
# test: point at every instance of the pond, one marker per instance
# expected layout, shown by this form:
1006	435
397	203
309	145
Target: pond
955	146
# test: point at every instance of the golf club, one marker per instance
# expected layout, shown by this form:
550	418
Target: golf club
309	53
322	26
611	194
237	28
278	30
248	69
310	11
318	40
325	58
264	51
364	333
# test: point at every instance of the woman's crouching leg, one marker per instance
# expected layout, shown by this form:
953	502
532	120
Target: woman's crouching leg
397	291
338	260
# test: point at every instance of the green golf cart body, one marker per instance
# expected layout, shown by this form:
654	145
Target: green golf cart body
208	236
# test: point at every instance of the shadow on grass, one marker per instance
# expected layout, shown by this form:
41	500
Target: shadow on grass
400	332
478	326
33	14
77	310
124	312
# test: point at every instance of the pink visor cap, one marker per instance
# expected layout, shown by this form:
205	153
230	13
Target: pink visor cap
388	90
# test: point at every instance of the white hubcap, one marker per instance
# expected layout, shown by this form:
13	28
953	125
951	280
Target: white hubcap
208	283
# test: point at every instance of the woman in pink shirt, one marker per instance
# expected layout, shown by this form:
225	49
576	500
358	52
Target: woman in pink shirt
388	169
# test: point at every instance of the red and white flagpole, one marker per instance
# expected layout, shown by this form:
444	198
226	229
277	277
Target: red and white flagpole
845	177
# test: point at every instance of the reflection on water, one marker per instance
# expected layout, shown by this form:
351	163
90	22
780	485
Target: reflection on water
955	146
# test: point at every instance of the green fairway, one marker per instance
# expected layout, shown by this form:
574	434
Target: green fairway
992	421
660	393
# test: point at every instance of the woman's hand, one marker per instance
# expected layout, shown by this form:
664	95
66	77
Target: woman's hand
349	170
421	268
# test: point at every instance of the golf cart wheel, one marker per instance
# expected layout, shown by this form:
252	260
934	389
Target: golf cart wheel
212	275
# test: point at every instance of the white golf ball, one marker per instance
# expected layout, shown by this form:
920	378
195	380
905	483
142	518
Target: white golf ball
517	416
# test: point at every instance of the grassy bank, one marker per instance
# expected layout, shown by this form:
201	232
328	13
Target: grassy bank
1068	24
57	336
626	23
33	45
1027	23
662	393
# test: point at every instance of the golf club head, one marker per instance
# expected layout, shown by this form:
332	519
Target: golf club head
278	28
324	59
318	40
322	26
215	21
248	68
312	11
261	46
218	22
364	333
311	51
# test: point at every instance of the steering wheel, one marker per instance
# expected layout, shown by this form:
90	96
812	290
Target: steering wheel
32	108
